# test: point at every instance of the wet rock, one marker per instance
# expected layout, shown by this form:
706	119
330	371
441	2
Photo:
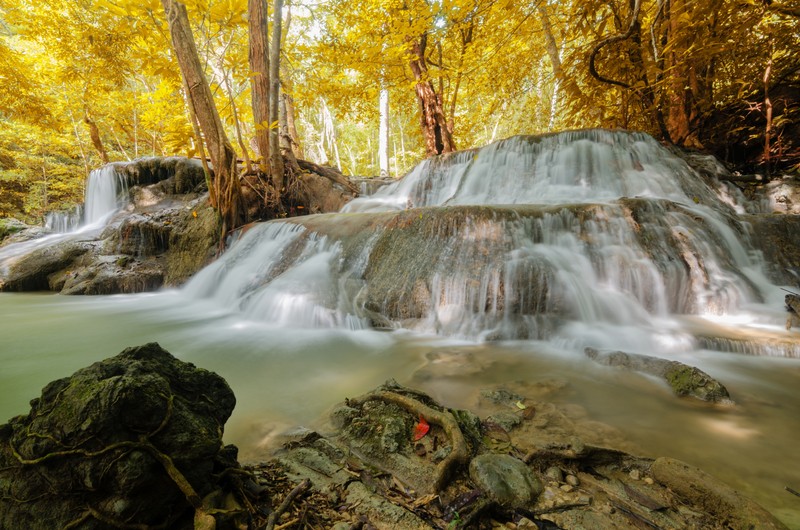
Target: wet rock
778	239
31	271
134	440
684	380
555	474
11	226
175	175
699	488
505	479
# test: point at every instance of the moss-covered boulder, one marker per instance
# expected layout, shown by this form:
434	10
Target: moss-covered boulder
129	442
684	380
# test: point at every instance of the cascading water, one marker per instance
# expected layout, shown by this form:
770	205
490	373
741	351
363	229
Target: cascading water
596	238
106	193
587	238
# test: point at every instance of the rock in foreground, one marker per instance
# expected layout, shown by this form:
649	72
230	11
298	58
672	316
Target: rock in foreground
132	441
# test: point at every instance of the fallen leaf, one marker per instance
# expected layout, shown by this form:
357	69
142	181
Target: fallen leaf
421	428
520	405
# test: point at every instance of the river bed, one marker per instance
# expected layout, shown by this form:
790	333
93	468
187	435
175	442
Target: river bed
285	377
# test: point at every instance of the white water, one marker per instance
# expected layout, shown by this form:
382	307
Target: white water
106	193
284	314
612	273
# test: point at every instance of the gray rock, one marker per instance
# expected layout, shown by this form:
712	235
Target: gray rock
684	380
505	479
31	271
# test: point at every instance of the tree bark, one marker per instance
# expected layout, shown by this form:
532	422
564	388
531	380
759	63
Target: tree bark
94	134
438	138
223	157
259	80
383	133
274	103
555	60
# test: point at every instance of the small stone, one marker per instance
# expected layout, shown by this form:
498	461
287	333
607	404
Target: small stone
554	473
607	508
508	481
649	481
526	523
572	480
635	474
567	488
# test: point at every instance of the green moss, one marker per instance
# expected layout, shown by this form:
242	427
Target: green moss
8	228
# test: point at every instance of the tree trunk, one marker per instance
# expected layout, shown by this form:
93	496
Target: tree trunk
555	60
274	102
437	136
94	134
223	157
259	80
297	147
383	136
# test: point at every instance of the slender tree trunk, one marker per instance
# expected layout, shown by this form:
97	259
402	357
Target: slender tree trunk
275	94
297	146
768	111
437	135
383	136
223	157
259	80
555	60
94	134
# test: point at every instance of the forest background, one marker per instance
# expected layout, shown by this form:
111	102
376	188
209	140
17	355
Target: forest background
371	87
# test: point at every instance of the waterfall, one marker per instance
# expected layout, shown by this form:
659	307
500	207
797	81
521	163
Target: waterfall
106	193
584	238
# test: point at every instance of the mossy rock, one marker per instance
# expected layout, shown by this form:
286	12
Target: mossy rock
109	445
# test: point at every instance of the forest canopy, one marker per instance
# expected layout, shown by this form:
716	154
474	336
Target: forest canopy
85	82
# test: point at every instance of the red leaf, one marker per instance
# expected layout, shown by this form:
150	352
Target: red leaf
421	428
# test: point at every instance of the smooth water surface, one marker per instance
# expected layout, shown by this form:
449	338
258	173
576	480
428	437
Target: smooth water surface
285	377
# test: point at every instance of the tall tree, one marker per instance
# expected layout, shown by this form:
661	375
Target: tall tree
226	192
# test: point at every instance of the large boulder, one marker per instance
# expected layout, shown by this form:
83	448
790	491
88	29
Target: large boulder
131	441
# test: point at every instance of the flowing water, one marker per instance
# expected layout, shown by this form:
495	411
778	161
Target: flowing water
545	245
106	193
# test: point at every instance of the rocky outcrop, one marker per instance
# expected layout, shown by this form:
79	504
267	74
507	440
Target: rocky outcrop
778	239
31	272
131	441
684	380
165	234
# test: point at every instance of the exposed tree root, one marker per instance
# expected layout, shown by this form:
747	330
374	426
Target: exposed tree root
297	491
460	452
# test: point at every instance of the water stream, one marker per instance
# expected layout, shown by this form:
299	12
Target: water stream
543	245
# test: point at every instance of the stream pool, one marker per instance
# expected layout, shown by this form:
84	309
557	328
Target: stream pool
285	377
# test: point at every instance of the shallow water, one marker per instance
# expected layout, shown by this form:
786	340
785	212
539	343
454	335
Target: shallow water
285	377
